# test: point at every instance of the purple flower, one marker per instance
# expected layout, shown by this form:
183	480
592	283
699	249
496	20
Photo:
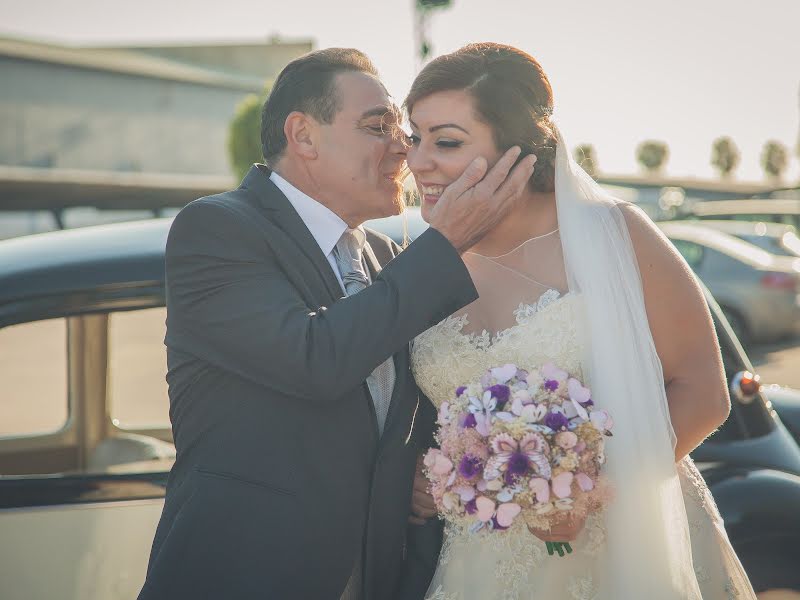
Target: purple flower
551	384
470	466
471	507
518	465
501	393
469	421
460	390
587	403
556	420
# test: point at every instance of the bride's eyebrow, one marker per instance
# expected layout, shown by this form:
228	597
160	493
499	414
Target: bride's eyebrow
438	127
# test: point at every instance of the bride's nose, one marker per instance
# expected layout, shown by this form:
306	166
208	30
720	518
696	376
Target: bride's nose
418	160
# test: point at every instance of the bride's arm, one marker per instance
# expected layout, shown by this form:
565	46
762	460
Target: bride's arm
684	335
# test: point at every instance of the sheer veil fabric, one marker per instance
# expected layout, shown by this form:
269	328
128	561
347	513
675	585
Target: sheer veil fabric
648	550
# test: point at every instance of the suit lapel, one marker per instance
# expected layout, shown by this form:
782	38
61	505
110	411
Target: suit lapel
373	265
286	218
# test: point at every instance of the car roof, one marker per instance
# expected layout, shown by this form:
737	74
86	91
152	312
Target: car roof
755	206
699	233
750	228
396	225
62	262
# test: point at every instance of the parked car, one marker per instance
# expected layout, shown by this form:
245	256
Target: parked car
402	228
85	444
759	292
775	238
784	210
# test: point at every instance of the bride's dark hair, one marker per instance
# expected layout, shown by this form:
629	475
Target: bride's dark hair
512	95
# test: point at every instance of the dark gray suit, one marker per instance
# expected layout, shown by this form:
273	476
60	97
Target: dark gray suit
281	476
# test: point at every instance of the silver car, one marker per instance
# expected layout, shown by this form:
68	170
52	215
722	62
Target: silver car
759	291
775	238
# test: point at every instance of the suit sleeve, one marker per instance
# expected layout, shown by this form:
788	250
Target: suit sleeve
231	304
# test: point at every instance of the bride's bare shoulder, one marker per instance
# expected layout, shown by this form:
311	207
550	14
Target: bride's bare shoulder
657	256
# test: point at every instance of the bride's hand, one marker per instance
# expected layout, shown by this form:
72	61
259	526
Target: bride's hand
422	505
564	531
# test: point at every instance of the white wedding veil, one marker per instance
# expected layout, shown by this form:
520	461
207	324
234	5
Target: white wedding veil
648	550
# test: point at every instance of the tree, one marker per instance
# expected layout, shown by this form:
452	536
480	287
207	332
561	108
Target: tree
244	133
422	12
652	155
586	157
774	159
724	156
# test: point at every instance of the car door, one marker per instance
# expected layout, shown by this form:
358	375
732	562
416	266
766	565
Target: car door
84	453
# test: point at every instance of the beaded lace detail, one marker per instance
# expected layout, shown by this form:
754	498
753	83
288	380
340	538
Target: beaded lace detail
445	357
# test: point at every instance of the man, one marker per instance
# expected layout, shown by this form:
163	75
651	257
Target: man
291	399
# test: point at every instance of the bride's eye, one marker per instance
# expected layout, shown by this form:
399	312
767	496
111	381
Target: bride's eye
449	143
413	139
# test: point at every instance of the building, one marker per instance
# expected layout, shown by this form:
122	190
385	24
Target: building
149	110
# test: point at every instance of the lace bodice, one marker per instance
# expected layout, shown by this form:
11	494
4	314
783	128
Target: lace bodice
444	357
515	565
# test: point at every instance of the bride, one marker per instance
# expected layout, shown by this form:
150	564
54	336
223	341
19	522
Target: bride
587	282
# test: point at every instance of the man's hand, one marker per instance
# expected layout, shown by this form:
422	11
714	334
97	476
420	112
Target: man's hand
473	204
422	505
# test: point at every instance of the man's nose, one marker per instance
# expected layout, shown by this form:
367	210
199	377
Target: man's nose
398	145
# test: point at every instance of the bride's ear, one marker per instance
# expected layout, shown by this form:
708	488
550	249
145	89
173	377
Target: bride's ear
302	135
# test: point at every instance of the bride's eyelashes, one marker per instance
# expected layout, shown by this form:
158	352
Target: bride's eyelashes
449	143
414	140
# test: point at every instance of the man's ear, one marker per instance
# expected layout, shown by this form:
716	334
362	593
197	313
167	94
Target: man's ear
302	135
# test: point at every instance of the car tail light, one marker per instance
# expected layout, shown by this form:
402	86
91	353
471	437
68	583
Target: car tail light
779	281
745	386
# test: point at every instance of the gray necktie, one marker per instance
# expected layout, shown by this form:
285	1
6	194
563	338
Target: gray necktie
349	258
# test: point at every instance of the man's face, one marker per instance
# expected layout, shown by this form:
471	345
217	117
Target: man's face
362	152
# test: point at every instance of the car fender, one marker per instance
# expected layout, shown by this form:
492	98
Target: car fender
757	503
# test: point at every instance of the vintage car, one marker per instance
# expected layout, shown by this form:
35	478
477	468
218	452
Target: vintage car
85	443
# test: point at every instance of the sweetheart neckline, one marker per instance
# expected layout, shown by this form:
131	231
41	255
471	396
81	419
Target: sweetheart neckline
474	338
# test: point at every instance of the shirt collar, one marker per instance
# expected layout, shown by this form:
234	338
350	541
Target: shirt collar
325	225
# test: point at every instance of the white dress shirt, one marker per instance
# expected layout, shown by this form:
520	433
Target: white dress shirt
327	228
324	224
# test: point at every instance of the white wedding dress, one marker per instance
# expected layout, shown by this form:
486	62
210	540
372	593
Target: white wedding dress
546	326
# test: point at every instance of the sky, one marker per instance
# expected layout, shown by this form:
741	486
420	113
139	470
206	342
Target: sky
684	72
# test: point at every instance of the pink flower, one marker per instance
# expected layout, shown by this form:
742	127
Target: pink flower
437	462
485	508
566	439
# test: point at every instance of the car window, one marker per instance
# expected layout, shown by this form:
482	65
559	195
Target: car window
33	378
691	252
137	369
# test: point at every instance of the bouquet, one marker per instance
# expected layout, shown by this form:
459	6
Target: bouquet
519	445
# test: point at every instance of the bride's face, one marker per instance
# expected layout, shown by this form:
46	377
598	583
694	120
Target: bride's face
446	135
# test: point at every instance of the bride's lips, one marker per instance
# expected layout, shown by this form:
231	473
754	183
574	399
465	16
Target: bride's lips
431	192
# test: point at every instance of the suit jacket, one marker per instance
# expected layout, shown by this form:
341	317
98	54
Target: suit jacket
281	477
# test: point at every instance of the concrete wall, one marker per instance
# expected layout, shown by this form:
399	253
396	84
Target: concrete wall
264	60
63	116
